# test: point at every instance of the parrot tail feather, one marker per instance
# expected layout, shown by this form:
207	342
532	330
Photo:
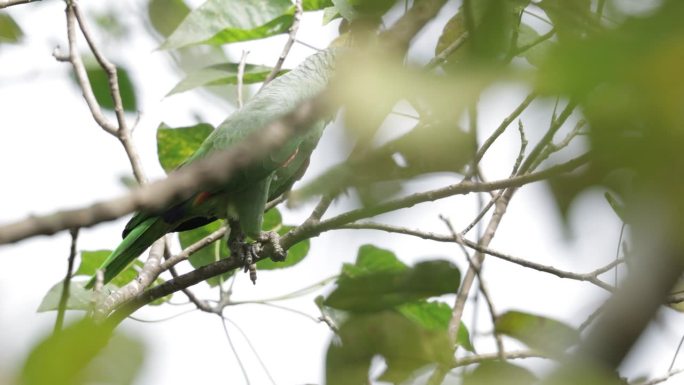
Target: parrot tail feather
137	240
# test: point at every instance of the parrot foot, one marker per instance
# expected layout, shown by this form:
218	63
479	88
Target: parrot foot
247	253
251	252
272	239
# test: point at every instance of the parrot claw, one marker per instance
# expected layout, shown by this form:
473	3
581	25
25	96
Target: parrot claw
272	239
247	253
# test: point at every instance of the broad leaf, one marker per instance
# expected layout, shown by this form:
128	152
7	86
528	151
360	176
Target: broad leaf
535	51
548	335
354	9
315	5
434	315
330	14
174	145
92	260
166	15
405	346
372	259
83	353
387	289
225	73
10	32
80	298
219	22
499	373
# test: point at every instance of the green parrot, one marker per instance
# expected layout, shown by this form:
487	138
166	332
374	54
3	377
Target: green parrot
242	200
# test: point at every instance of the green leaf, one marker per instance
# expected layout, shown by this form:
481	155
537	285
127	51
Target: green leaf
330	14
10	32
91	261
219	22
463	338
80	298
570	18
545	334
435	315
83	353
166	15
353	9
210	254
272	220
405	346
315	5
386	289
371	259
100	84
499	373
174	145
225	73
535	51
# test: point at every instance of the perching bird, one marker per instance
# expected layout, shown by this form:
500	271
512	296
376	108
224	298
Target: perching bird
244	197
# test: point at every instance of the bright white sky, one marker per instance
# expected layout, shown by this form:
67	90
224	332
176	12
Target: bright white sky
54	156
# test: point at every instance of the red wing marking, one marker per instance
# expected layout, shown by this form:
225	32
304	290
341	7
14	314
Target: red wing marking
201	198
290	159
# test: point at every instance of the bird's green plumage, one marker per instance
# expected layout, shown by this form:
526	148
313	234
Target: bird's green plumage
247	192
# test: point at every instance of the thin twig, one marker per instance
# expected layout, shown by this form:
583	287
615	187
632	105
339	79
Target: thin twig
471	360
591	277
446	52
288	44
169	318
9	3
303	232
662	379
195	247
148	274
483	289
232	347
256	354
674	357
80	72
64	298
502	127
617	252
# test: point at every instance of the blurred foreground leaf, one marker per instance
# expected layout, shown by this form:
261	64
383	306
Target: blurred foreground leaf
83	353
404	344
10	32
544	334
499	373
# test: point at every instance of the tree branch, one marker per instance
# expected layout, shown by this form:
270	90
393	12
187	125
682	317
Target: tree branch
64	298
9	3
465	187
207	173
